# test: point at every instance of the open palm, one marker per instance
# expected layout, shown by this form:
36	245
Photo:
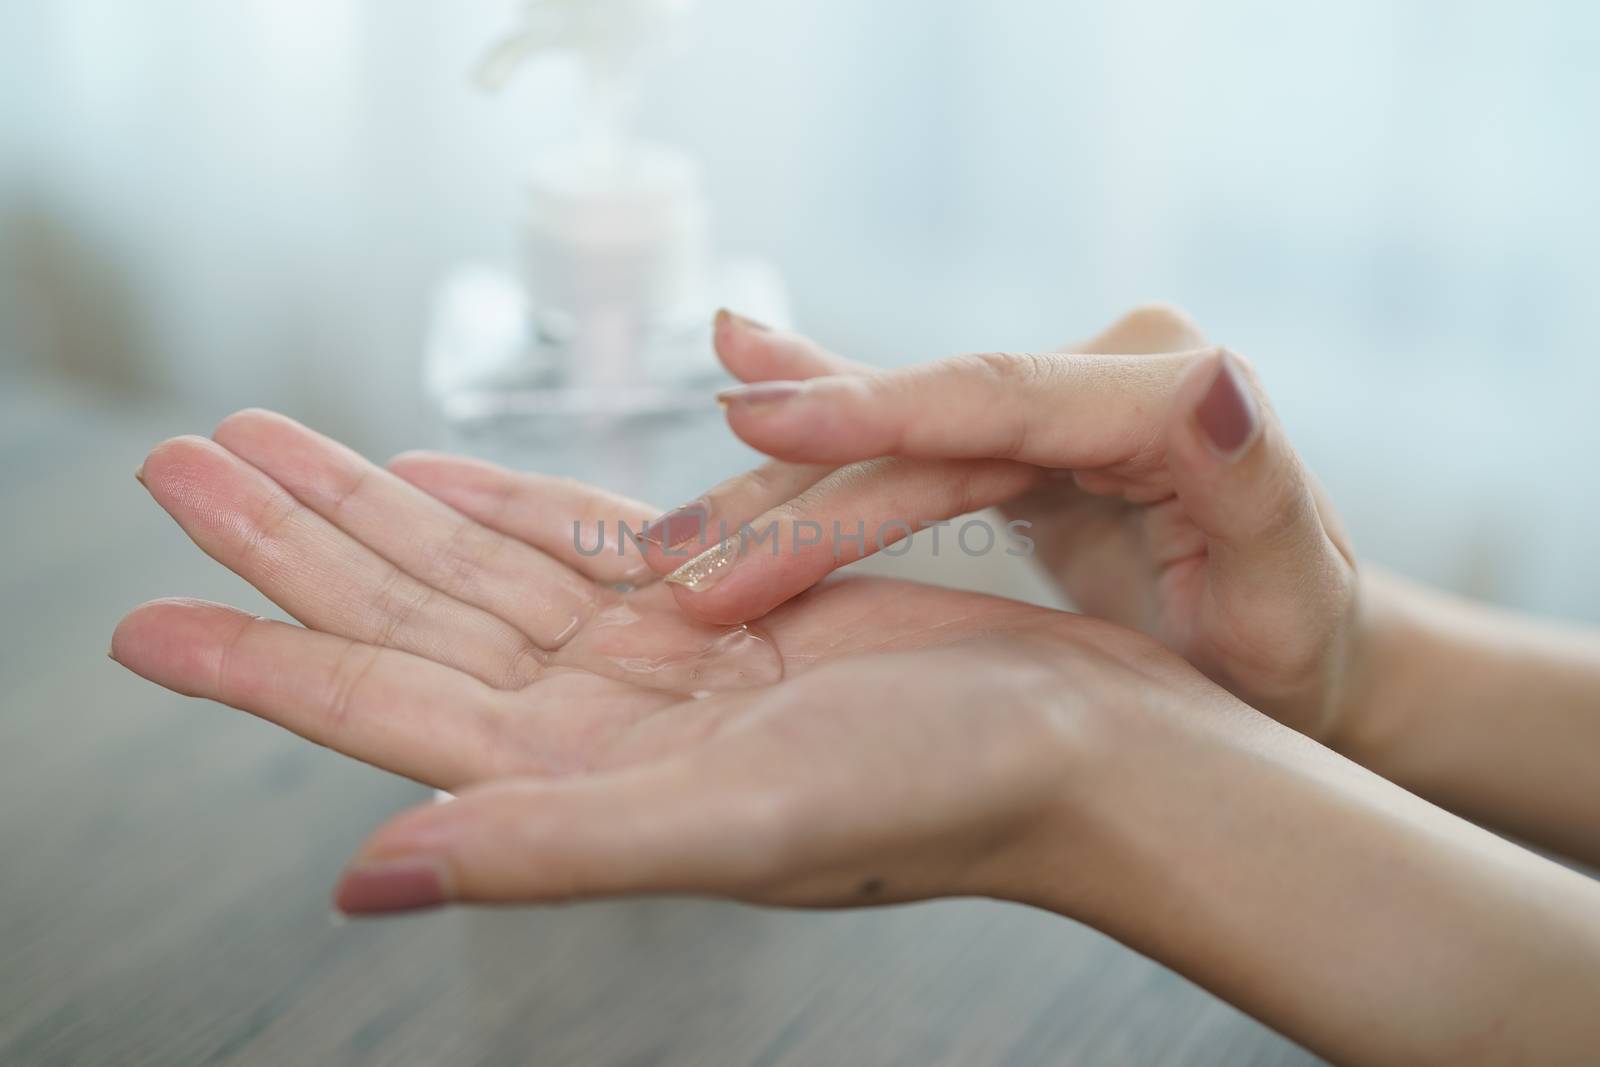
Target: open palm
453	630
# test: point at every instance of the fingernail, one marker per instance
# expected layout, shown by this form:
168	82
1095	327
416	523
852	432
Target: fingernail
678	525
708	568
759	393
1227	413
724	317
138	474
390	885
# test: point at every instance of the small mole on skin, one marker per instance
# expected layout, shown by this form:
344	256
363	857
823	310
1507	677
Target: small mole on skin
872	887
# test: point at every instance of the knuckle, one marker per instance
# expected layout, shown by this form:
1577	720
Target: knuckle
227	656
759	483
969	487
1283	509
267	524
462	559
870	389
397	600
524	665
350	490
1012	369
345	681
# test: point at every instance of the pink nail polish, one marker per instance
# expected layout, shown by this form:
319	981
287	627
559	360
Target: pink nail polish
390	885
741	396
1227	412
678	525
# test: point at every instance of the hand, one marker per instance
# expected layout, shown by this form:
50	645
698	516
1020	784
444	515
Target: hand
633	750
923	743
894	776
1161	488
453	630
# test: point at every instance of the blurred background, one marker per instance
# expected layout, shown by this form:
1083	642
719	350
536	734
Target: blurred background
1391	208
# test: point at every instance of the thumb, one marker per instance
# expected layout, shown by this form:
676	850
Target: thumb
658	828
1242	484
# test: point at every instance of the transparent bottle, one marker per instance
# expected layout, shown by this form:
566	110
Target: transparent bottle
593	359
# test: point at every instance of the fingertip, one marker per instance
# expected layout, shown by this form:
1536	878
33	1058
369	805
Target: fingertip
753	352
826	420
247	421
466	485
414	459
1217	416
426	855
393	886
446	472
174	638
175	462
720	588
1227	415
741	345
1157	326
684	523
421	468
707	607
422	829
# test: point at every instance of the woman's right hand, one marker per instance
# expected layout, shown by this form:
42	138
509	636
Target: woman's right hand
457	625
1160	487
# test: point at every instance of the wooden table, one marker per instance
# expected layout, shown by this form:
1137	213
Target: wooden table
165	867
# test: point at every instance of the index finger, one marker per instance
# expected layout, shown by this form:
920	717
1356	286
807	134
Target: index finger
1060	410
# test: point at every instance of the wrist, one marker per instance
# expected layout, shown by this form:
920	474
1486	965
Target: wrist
1108	770
1327	902
1388	649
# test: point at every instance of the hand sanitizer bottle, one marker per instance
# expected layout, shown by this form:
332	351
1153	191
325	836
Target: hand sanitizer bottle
594	359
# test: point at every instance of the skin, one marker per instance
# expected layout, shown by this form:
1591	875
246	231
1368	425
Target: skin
1487	712
1223	558
1027	755
475	601
1233	558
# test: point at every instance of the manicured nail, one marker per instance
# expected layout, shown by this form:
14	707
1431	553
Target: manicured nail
138	475
1227	413
678	525
724	317
390	885
708	568
741	396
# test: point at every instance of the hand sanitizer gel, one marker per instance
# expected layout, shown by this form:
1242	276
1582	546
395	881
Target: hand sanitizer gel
593	359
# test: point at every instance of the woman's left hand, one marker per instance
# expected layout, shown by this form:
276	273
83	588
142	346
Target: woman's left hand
1161	490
